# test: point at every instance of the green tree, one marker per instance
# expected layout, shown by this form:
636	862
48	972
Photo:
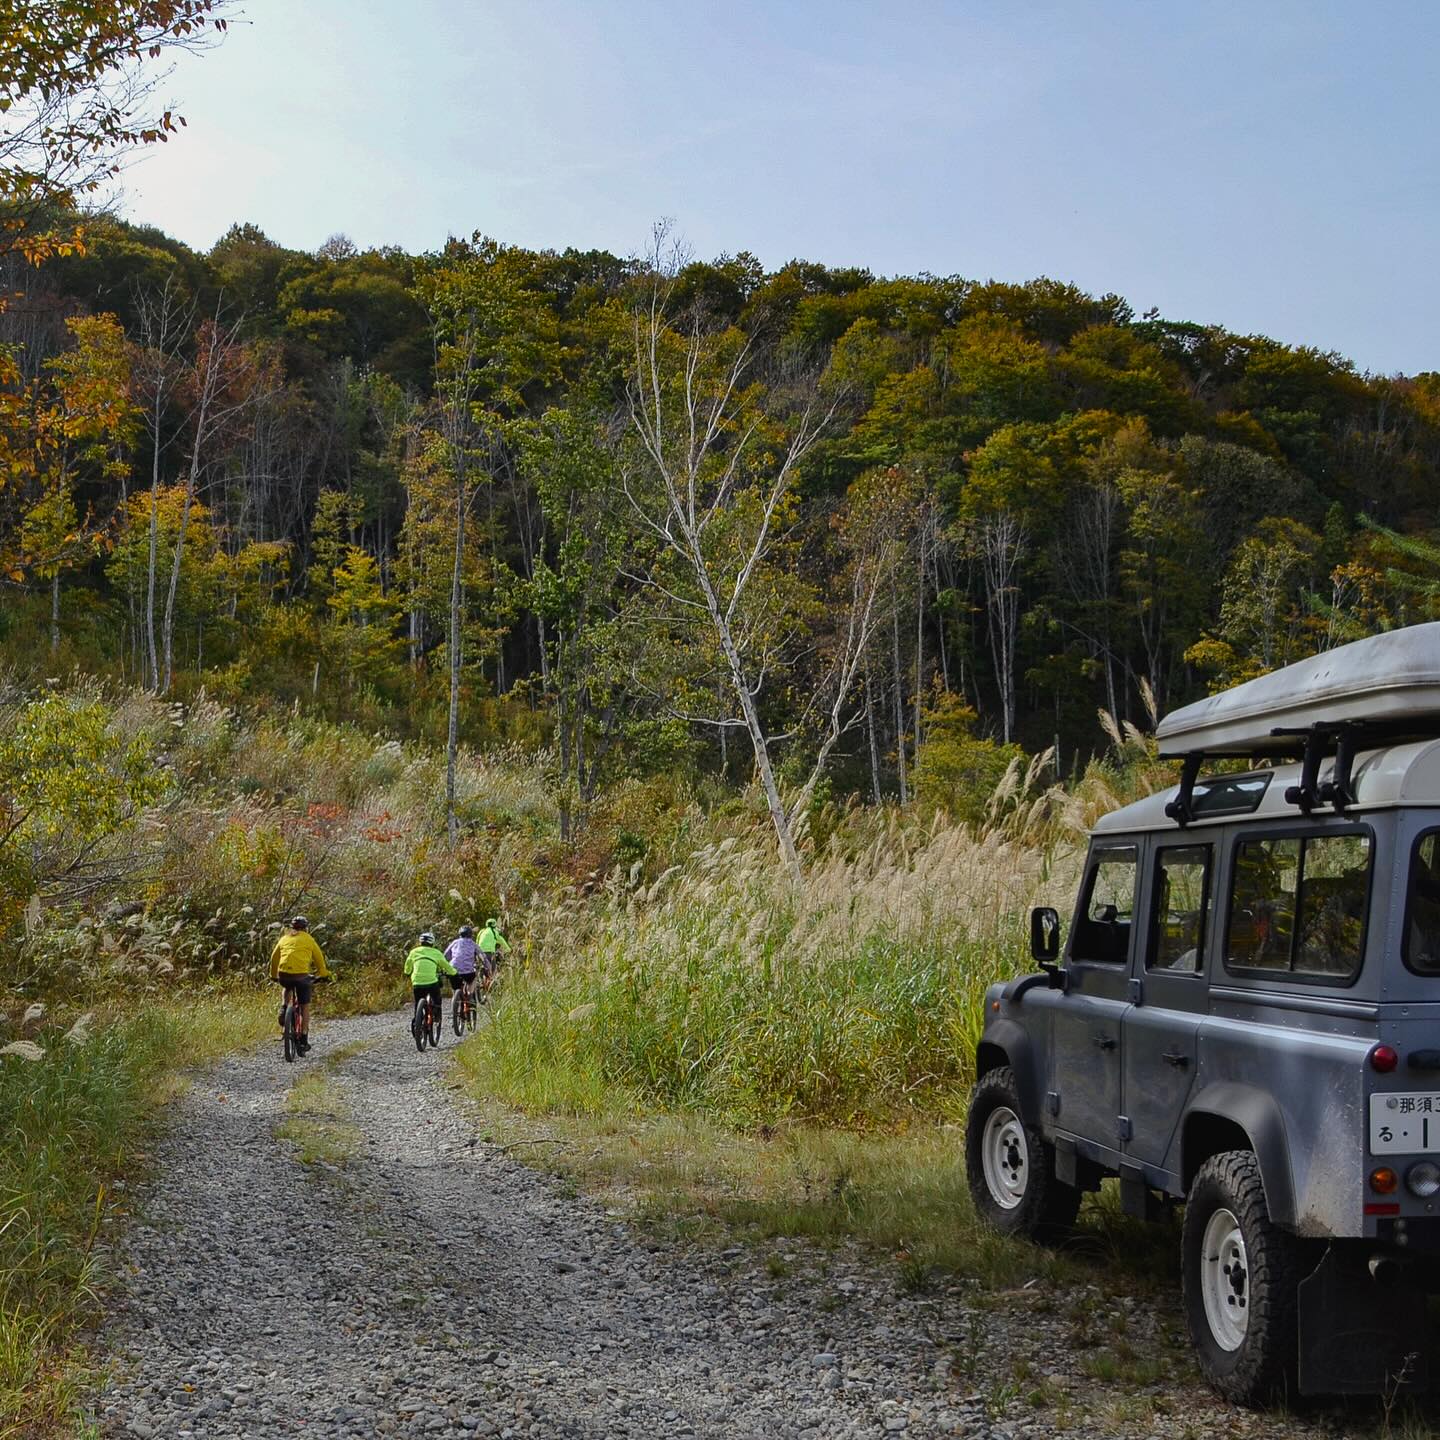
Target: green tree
69	787
364	621
1264	621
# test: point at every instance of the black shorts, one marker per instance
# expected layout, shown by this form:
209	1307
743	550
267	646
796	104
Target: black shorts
456	981
431	989
302	985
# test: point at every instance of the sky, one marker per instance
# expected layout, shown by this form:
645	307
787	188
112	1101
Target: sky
1268	166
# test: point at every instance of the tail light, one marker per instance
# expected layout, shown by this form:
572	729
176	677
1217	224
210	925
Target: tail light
1383	1059
1383	1180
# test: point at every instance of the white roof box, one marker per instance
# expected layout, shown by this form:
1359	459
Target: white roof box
1390	680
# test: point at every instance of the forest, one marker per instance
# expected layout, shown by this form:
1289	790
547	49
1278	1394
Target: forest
839	533
577	588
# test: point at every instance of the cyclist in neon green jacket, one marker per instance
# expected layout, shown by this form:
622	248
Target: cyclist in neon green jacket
492	945
425	964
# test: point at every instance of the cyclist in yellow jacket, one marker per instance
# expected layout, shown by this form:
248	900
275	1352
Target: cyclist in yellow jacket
297	962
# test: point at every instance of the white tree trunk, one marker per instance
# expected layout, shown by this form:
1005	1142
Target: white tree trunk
457	596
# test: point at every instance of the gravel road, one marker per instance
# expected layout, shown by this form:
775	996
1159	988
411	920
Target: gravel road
433	1285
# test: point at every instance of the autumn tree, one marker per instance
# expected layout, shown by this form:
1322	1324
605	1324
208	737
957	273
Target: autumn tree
77	90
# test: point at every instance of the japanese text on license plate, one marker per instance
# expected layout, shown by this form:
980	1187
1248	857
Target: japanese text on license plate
1404	1124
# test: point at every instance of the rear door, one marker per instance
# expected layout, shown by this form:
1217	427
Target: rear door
1163	1025
1086	1038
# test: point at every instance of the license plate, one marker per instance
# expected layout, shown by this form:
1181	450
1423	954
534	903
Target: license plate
1404	1124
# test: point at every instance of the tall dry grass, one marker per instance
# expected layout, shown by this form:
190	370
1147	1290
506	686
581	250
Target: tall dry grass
724	988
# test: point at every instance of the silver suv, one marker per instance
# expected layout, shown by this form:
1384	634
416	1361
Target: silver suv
1245	1016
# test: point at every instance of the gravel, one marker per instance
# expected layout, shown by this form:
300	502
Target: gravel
435	1286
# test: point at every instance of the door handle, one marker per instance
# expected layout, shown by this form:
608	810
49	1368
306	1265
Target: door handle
1176	1058
1105	1042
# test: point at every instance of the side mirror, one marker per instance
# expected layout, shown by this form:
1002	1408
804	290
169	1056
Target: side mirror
1045	935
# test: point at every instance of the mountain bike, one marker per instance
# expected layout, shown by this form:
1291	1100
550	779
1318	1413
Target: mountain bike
290	1021
463	1009
427	1023
289	1024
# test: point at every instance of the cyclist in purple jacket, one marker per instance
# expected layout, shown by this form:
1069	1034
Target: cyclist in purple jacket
463	953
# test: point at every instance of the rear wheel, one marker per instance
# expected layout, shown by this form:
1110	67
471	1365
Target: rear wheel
457	1012
1010	1167
1241	1280
437	1022
417	1026
287	1023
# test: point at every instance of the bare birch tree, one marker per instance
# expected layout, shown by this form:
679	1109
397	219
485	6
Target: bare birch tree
220	390
711	478
163	323
1001	540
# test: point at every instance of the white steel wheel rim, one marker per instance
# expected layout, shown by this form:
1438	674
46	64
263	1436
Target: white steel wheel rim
1225	1280
1005	1157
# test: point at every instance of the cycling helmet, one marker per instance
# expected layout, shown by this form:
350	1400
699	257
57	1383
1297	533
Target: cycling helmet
427	938
467	932
299	923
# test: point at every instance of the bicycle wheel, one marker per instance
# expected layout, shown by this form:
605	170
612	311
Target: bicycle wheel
291	1046
472	1010
457	1012
418	1027
437	1023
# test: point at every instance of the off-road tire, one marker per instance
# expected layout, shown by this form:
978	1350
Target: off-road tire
1046	1208
1263	1367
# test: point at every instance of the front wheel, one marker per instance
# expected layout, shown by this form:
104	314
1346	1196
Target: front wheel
1010	1167
1241	1282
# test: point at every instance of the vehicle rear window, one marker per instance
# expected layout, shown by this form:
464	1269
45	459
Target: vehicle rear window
1422	915
1297	906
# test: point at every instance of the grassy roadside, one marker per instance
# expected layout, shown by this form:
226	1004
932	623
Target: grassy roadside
77	1121
76	1124
903	1193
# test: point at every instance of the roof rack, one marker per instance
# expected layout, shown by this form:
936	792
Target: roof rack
1344	739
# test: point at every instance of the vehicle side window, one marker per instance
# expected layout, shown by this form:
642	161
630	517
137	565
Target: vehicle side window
1102	932
1180	917
1422	924
1297	905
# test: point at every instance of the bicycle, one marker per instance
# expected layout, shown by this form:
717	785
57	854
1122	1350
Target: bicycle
427	1023
290	1021
464	1007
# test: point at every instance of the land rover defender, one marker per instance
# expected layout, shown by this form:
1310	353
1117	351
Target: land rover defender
1244	1016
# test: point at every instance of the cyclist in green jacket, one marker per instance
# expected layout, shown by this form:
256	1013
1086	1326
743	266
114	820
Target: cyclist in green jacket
425	964
492	945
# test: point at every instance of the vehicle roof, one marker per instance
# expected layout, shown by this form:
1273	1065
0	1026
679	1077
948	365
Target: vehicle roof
1382	779
1391	679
